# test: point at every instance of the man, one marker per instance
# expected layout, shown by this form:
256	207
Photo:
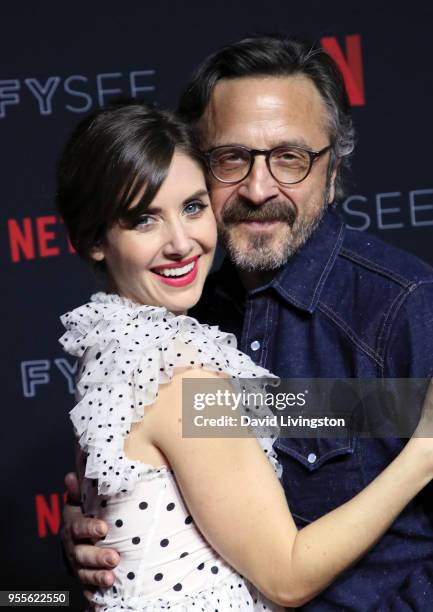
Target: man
315	299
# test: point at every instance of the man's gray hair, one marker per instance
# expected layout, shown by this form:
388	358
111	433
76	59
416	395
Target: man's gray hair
278	55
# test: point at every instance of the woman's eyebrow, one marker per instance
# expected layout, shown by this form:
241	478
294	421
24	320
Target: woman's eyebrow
197	194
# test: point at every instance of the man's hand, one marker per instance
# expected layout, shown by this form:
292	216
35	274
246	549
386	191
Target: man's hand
90	563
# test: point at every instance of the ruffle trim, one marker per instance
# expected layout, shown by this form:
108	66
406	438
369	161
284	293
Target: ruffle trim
233	590
129	350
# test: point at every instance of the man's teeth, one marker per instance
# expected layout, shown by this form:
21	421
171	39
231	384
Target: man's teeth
177	271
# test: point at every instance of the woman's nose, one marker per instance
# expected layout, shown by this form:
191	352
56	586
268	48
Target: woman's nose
178	242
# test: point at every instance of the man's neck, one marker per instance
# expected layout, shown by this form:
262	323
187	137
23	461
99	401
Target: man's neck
252	280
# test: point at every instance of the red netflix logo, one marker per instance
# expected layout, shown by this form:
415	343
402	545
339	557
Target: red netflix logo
46	233
48	513
350	65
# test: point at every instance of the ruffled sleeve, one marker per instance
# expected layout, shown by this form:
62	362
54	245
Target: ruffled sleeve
127	350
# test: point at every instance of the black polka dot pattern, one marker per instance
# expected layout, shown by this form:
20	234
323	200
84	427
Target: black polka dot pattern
134	349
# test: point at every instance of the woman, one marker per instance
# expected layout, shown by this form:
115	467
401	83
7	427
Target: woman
186	514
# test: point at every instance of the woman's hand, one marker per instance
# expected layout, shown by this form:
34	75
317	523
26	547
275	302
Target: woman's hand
90	563
422	438
425	425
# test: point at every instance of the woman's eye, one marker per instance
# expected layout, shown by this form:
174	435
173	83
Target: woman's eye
193	208
144	221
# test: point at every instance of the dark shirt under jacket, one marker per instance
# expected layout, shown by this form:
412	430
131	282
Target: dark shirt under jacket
345	306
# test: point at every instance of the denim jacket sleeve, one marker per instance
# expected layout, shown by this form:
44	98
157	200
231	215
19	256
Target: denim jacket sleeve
414	594
408	335
409	353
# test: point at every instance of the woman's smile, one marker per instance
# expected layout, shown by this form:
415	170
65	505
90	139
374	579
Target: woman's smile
164	257
178	274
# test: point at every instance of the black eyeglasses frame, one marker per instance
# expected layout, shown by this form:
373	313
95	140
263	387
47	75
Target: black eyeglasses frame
313	155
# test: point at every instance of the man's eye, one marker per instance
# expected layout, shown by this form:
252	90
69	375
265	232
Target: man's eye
290	157
287	155
195	207
230	158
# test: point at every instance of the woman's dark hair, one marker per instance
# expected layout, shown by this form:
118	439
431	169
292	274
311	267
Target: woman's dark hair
108	160
278	56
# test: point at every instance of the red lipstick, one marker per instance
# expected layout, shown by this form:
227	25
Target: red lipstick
178	281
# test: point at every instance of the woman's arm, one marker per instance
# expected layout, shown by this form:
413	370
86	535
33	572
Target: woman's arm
240	507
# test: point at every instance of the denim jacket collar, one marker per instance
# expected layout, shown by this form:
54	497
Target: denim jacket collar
302	279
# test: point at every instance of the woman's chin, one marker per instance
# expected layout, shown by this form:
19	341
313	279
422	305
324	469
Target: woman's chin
181	306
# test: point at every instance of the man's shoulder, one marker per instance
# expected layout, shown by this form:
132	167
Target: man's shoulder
380	262
382	297
371	285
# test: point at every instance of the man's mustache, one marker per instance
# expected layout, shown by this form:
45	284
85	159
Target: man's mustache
238	211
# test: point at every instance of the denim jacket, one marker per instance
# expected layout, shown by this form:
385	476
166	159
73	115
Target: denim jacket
345	306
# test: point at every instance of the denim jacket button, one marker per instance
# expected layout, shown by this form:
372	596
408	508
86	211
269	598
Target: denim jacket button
255	345
311	458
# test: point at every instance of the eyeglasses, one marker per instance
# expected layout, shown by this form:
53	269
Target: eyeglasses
288	165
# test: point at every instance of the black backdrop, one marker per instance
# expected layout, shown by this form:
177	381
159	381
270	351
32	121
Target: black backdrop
60	60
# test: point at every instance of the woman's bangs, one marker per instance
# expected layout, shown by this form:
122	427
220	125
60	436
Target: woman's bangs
145	178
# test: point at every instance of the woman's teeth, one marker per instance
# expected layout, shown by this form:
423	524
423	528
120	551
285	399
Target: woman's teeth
177	271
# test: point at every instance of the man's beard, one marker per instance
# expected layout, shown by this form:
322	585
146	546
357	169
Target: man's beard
261	253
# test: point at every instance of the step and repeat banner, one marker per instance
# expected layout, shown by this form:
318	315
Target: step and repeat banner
61	60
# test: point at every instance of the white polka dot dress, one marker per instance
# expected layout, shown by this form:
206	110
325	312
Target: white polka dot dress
127	350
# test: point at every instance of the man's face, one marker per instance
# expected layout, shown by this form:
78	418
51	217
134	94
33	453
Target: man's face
261	221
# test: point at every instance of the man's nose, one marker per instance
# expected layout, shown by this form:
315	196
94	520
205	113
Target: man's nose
259	186
178	242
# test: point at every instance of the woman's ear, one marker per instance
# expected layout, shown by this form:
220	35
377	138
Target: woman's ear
97	252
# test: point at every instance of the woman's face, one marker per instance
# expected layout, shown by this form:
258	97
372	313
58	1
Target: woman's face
165	258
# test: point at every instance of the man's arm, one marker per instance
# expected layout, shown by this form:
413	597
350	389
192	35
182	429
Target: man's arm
409	336
409	354
90	563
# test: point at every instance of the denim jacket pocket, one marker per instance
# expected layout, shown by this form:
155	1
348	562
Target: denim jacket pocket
319	474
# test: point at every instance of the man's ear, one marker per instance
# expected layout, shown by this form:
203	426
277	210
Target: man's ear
332	178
